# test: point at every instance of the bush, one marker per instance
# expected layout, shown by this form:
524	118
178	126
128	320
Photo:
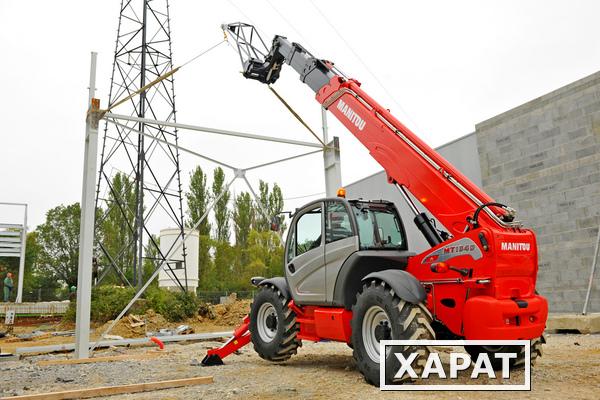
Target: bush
107	303
174	306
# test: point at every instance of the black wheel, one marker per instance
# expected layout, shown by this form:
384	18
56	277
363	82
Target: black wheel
381	315
519	362
273	326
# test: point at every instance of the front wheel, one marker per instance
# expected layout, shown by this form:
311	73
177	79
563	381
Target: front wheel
381	315
273	326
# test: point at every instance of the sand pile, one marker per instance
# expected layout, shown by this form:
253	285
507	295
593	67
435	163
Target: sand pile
230	314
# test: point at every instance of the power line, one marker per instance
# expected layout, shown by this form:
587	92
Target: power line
303	197
287	21
363	63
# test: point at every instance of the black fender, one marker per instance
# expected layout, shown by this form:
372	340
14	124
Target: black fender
279	282
404	285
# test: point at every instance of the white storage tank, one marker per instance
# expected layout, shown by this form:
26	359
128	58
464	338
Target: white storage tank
170	238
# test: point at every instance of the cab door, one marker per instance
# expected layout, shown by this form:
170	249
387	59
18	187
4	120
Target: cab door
341	240
305	256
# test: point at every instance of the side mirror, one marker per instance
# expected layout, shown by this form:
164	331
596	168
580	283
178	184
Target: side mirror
276	223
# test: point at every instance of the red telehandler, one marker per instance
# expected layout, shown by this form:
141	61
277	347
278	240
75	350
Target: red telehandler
349	273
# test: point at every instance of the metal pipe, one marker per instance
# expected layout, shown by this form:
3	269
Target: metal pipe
282	160
19	298
124	342
592	272
211	130
407	198
172	145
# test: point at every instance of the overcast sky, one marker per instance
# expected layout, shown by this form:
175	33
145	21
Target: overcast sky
448	65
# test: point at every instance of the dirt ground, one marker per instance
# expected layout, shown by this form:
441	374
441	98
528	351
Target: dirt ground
569	369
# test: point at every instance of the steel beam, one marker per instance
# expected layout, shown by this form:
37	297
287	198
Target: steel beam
331	160
86	227
188	127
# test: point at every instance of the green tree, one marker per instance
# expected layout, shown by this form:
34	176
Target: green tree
271	202
198	198
262	222
32	279
276	204
58	244
243	212
224	256
118	226
221	210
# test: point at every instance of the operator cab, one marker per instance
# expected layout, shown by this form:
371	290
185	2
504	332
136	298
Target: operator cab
329	237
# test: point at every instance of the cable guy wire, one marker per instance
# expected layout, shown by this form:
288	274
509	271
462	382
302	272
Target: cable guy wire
359	58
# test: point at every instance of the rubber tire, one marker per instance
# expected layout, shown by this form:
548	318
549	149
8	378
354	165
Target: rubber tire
515	363
285	343
407	321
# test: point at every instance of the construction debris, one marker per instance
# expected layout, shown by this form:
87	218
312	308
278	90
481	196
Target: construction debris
180	330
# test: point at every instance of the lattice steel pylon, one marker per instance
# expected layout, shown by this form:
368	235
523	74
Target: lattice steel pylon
142	53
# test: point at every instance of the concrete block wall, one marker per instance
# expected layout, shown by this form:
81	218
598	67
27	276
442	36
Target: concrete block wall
543	159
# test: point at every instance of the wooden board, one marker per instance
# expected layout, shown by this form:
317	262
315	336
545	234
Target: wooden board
124	357
111	390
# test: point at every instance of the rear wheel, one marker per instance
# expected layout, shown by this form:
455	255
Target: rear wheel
273	327
381	315
519	362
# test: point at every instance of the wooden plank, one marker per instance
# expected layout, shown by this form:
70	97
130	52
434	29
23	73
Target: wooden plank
112	390
123	357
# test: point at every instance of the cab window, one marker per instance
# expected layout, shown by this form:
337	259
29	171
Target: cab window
308	231
291	245
379	227
337	222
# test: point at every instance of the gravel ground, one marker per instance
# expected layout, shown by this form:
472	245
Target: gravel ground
569	369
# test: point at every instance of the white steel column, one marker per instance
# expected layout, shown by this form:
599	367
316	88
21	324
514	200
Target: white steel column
86	230
331	160
19	298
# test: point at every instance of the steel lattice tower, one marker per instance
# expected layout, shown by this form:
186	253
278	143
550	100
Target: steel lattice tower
142	54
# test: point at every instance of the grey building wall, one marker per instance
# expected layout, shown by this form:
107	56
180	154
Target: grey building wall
462	153
543	159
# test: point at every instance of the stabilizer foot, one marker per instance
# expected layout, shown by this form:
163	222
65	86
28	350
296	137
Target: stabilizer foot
211	360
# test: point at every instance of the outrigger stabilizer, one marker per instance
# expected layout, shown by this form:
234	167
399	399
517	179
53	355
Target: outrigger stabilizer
240	338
